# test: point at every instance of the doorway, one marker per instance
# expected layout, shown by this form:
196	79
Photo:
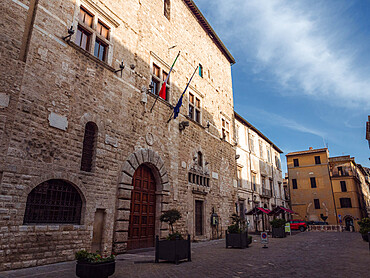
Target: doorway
198	218
98	231
142	211
349	224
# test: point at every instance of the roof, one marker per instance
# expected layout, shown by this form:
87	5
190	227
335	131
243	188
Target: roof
207	27
248	124
308	152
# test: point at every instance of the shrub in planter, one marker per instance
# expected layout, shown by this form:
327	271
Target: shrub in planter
364	228
94	265
236	233
249	240
278	227
174	248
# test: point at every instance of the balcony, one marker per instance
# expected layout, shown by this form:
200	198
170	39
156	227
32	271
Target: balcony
266	193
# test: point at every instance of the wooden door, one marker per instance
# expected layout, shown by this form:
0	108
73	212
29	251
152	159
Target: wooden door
198	218
98	231
142	211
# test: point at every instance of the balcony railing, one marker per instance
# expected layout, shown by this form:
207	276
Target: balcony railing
266	192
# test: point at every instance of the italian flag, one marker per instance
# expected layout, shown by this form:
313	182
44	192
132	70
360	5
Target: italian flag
162	92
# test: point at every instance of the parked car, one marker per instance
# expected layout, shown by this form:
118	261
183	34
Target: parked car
317	223
297	224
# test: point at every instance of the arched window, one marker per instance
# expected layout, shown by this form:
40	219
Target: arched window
200	159
89	146
53	201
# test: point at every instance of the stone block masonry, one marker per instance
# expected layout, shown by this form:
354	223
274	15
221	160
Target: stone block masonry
47	100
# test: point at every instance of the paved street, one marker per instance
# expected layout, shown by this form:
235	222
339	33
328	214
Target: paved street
306	254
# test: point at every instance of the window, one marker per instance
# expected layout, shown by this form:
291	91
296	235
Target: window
277	162
251	144
194	108
200	159
89	146
225	130
237	130
86	28
239	176
317	203
345	202
343	186
296	162
263	181
200	70
294	183
159	76
53	201
317	160
167	9
268	156
253	182
313	182
261	149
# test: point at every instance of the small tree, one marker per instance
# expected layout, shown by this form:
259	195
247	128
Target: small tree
170	217
364	225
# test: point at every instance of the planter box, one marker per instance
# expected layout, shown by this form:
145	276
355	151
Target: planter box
278	232
365	237
95	270
172	250
237	240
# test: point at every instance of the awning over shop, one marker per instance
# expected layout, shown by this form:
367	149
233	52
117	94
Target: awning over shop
258	210
280	209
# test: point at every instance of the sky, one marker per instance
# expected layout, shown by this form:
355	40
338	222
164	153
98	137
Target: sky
302	72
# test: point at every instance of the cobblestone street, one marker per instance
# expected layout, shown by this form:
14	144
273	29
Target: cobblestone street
306	254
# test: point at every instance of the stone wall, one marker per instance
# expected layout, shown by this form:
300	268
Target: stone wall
59	88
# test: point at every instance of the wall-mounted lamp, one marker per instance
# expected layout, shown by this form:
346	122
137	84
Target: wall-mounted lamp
237	156
183	125
121	67
70	33
132	66
208	124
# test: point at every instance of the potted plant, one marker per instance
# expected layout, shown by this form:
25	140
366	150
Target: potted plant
278	227
94	265
174	248
236	233
364	228
249	240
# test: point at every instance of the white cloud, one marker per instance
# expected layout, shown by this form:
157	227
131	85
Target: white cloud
289	41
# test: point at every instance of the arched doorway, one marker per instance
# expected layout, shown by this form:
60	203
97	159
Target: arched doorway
142	210
349	224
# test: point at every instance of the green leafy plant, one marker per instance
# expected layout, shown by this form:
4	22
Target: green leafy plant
84	256
237	226
278	223
170	217
364	225
249	239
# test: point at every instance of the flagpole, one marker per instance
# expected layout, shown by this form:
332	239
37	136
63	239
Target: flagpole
165	80
187	85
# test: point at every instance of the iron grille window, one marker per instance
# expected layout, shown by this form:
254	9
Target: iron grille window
89	144
53	201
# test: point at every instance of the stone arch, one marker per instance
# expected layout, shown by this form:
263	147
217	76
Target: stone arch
151	159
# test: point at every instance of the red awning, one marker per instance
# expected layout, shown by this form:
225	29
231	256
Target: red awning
257	210
264	210
287	210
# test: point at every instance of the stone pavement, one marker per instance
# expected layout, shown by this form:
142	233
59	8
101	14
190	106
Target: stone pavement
307	254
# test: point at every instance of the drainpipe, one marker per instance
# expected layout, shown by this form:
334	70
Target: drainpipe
332	192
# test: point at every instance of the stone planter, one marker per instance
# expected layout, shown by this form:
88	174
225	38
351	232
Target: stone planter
172	250
237	240
278	232
95	270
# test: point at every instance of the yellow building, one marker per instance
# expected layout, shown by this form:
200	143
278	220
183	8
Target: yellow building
327	189
310	187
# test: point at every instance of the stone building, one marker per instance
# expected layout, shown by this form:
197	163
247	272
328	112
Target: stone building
85	163
333	189
259	176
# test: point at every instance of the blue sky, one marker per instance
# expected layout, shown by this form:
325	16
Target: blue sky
302	72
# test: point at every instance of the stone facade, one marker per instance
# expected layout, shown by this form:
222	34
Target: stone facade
260	182
51	88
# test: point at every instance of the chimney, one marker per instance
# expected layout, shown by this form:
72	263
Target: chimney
310	148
